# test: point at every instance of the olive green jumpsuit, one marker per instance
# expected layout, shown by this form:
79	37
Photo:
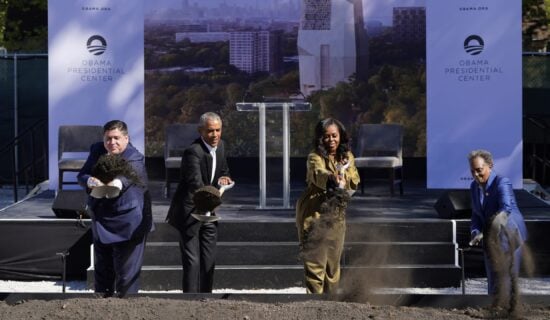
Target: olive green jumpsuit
321	254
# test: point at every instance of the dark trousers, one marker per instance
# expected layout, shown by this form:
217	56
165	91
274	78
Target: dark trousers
118	266
198	255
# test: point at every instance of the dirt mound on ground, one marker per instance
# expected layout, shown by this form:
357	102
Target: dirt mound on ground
145	308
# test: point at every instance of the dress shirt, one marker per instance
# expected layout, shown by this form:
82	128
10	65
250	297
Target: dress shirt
212	151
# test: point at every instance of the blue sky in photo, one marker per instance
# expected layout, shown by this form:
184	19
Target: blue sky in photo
380	10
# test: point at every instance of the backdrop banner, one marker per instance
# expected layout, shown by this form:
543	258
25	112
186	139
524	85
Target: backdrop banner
474	88
96	68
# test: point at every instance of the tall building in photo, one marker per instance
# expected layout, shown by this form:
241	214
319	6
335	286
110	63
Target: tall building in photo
409	24
361	41
332	43
253	51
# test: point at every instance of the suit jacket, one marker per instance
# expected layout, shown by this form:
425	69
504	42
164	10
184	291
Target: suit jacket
317	177
128	216
119	219
499	196
196	170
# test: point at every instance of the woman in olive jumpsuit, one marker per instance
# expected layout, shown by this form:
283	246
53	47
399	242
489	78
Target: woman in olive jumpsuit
331	172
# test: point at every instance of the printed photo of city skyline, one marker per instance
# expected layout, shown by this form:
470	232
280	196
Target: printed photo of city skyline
358	61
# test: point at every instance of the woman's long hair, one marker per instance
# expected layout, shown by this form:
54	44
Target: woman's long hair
319	146
110	166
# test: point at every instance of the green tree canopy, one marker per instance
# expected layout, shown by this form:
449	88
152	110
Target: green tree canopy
24	25
535	24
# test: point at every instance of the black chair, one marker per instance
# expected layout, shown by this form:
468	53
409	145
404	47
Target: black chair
380	146
74	143
177	138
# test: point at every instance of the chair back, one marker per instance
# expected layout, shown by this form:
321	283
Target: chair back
77	138
178	137
379	140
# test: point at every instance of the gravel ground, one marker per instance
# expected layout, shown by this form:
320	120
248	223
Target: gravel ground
145	308
153	308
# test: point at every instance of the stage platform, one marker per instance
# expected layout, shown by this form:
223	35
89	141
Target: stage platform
399	241
242	202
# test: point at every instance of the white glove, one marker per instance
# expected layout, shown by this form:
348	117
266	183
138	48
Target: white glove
225	187
93	182
116	183
476	238
341	168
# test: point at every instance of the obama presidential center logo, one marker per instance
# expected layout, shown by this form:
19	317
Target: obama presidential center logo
474	45
96	68
96	45
475	65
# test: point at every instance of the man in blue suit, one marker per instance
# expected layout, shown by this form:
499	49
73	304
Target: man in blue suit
497	220
120	226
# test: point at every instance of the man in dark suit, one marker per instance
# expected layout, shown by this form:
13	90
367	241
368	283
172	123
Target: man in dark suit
498	223
119	229
203	163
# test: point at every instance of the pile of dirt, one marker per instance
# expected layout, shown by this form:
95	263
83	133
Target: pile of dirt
145	308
